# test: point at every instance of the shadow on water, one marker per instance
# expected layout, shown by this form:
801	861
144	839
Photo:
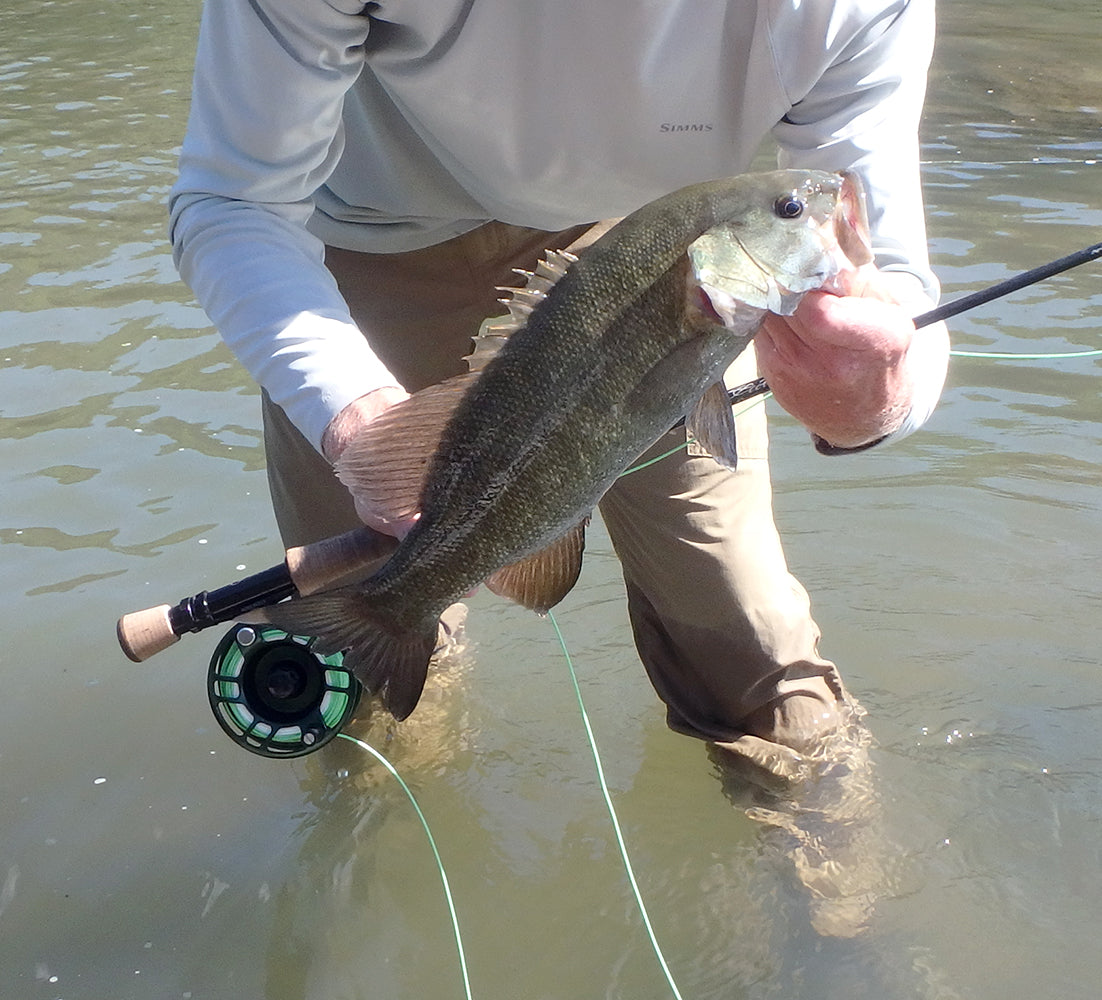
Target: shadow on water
954	574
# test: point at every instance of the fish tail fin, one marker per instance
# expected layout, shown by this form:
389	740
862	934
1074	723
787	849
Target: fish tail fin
390	661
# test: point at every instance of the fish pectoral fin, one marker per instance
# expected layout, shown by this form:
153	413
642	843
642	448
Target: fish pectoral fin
544	578
386	463
711	426
390	663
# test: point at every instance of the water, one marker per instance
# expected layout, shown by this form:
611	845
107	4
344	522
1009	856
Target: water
955	576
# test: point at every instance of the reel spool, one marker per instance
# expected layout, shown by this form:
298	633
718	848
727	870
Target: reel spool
274	695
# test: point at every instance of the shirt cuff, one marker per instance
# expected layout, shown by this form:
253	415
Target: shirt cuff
824	447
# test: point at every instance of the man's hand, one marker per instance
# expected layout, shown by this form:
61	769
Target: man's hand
344	427
838	363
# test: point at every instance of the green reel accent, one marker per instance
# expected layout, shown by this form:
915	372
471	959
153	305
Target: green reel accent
274	695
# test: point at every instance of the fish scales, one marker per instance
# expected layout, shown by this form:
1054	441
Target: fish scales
557	416
543	415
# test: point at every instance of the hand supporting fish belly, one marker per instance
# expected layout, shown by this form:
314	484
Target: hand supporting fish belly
503	466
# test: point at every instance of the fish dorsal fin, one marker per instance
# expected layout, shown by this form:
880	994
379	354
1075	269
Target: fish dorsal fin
544	578
385	464
490	337
711	426
520	302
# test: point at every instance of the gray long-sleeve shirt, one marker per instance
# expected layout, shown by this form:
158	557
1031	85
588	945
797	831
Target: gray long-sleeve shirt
395	124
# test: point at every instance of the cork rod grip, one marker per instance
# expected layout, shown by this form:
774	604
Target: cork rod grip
141	634
322	565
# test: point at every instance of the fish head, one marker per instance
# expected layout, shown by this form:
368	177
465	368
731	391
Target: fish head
790	232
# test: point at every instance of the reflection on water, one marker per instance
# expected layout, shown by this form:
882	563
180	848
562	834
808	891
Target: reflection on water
955	576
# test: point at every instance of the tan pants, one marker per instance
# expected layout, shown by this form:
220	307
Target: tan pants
722	628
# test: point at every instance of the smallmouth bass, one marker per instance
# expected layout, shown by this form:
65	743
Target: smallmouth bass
610	349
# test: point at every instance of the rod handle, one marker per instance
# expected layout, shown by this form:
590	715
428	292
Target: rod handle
320	565
306	570
142	634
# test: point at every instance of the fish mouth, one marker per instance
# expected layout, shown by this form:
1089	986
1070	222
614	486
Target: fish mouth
714	305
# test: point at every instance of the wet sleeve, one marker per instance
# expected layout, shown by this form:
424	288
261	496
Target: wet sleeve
856	79
263	133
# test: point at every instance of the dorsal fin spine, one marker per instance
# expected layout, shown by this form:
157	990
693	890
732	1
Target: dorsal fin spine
520	301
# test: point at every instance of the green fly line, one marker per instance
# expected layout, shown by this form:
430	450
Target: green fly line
1025	357
436	854
606	793
612	812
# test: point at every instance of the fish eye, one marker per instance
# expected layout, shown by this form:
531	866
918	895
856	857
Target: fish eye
788	206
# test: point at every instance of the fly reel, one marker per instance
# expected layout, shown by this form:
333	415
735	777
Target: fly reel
274	695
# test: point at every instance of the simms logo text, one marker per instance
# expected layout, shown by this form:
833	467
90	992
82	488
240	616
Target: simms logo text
685	127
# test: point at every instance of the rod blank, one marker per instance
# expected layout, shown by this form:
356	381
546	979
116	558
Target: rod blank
1012	284
748	390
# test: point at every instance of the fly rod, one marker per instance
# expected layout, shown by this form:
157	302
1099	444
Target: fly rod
310	568
757	387
305	569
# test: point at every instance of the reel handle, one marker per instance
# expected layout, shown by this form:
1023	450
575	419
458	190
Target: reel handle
306	569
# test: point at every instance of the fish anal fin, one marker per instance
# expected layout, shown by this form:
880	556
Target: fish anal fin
539	581
386	463
389	661
711	427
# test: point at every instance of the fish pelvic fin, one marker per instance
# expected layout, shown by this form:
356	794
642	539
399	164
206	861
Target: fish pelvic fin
711	427
385	465
539	581
390	662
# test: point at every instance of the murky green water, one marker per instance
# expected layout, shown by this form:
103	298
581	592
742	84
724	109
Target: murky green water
955	576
